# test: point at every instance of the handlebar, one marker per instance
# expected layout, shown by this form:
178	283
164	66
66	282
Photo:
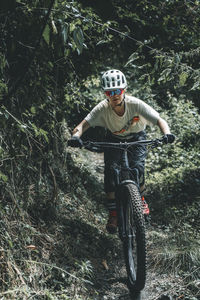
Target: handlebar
101	146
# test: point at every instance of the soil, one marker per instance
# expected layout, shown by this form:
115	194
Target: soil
111	283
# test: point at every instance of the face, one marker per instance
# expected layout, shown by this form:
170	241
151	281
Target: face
115	99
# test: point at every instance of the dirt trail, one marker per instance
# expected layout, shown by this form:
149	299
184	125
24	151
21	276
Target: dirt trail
111	284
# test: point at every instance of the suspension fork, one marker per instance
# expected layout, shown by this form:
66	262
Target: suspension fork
123	178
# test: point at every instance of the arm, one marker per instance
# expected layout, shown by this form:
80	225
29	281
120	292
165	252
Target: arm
80	129
162	124
168	137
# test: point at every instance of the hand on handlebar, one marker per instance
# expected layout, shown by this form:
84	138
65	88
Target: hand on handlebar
75	142
169	138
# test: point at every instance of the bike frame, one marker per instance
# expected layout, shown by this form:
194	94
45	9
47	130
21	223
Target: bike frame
125	171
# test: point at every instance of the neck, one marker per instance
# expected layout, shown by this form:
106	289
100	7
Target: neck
120	108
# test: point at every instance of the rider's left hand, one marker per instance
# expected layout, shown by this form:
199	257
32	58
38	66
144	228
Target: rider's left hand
169	138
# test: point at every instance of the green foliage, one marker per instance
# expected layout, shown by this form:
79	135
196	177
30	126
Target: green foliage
78	39
173	171
180	256
82	39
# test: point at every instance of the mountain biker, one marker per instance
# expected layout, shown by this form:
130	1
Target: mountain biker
125	118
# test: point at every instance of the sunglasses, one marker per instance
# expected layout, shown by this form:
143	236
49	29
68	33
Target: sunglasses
114	92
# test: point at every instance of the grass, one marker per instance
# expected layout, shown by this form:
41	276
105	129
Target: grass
175	250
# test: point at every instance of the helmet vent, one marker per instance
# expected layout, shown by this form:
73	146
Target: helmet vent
113	79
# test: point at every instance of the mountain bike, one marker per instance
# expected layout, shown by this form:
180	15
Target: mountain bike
131	222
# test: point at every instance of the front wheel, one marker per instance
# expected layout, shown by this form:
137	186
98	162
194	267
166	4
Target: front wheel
132	227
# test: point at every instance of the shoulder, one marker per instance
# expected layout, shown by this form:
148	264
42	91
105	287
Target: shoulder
132	100
101	106
136	101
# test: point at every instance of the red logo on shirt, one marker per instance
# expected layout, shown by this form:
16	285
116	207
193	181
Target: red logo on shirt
126	127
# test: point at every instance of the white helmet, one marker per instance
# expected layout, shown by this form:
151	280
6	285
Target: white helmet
113	79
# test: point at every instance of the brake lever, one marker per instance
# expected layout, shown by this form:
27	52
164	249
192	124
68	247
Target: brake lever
156	143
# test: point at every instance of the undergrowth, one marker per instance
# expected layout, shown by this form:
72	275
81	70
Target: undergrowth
51	254
174	250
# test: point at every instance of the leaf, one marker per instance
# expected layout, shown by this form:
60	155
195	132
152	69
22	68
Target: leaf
134	56
55	31
33	110
165	73
196	86
64	33
75	10
36	130
78	39
46	34
10	243
3	177
31	247
182	78
44	134
101	42
72	27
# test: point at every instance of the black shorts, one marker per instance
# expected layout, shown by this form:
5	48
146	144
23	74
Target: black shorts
136	156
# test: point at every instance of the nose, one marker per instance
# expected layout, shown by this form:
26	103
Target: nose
115	96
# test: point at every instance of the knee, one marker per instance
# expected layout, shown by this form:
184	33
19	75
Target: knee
110	195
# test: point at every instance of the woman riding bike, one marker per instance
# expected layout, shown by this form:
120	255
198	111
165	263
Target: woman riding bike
125	118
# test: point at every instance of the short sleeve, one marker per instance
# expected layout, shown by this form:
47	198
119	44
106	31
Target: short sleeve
95	117
148	113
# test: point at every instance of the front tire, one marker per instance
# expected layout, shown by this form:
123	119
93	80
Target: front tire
133	235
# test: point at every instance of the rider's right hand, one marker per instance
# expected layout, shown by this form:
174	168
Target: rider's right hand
75	142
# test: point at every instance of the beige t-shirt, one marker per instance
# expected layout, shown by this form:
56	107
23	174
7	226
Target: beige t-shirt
137	115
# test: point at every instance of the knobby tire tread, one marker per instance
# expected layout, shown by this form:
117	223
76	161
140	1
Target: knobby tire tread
130	194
